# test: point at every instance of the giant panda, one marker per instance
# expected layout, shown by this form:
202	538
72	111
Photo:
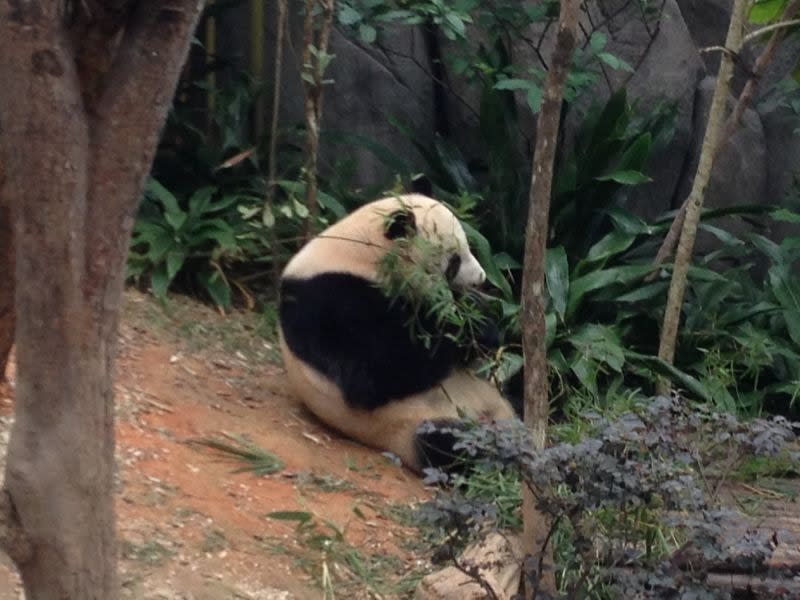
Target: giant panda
346	346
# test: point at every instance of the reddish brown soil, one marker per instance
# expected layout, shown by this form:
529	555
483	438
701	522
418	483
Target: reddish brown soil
189	525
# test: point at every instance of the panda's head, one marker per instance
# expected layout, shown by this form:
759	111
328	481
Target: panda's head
430	228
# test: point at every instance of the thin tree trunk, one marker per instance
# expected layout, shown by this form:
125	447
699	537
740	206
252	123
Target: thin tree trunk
81	109
683	255
6	282
315	49
533	305
731	125
272	167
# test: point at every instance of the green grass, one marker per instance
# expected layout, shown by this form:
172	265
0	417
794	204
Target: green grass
252	458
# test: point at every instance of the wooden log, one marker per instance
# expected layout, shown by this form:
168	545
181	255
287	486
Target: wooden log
490	568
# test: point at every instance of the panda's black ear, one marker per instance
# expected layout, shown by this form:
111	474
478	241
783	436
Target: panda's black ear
400	224
420	184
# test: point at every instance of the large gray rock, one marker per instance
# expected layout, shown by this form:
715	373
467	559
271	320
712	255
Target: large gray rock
370	83
783	167
708	22
739	175
667	68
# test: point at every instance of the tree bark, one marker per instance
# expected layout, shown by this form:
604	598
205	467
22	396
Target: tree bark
537	407
6	282
694	204
315	50
81	108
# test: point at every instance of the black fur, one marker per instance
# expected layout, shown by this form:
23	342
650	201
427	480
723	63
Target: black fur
422	185
401	224
434	443
347	329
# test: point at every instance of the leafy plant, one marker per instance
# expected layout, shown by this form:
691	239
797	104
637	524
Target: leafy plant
254	459
410	274
610	152
168	239
634	504
322	550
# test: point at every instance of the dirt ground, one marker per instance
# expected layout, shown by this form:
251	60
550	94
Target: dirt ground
189	525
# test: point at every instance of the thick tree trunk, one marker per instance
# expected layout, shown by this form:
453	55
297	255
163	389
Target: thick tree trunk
80	119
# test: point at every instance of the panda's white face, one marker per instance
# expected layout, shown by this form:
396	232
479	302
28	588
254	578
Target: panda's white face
441	227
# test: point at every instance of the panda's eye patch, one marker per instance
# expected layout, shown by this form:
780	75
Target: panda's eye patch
453	265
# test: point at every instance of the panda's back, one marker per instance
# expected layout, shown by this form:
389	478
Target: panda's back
345	328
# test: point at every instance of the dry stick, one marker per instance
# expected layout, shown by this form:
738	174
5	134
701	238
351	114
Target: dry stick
269	204
677	287
742	104
533	324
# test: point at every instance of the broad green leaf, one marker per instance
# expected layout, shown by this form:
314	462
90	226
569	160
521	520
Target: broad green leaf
629	223
586	371
766	11
550	328
600	343
367	33
598	41
635	157
167	199
510	364
480	245
612	244
348	15
200	201
158	242
628	177
534	99
159	281
697	273
216	286
176	219
332	204
614	62
299	208
786	288
645	292
175	260
785	215
603	278
768	247
723	236
514	84
660	367
557	278
737	315
503	260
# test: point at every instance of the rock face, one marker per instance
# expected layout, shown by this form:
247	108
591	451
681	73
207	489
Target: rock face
370	83
394	77
667	68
